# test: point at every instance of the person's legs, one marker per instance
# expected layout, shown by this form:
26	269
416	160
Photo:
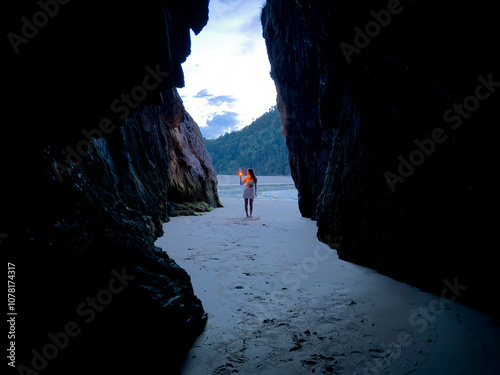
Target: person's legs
246	206
251	206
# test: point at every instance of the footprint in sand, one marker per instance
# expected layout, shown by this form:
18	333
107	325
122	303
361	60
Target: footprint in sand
226	369
352	326
322	364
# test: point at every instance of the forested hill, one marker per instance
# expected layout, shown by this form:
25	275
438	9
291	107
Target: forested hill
260	146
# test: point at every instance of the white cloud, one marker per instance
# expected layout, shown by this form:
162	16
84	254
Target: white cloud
220	124
228	69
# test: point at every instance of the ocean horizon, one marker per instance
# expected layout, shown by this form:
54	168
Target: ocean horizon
268	187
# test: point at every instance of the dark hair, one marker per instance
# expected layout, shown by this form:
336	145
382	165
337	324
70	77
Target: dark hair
252	174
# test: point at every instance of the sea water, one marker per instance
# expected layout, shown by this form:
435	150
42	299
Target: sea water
268	187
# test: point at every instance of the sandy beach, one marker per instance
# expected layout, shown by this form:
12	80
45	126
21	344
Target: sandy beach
280	302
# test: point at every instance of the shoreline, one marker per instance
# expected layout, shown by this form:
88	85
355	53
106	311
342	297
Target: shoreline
269	187
281	302
225	179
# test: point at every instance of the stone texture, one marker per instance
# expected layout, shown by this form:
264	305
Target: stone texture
347	123
66	235
192	180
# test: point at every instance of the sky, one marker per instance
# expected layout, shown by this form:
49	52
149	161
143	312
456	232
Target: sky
227	75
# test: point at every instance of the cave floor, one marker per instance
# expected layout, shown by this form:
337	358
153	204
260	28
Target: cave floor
280	302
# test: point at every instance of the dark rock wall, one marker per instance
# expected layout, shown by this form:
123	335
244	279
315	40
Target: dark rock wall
294	64
75	214
191	179
347	117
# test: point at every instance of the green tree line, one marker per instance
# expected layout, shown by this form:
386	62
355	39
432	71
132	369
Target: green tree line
260	146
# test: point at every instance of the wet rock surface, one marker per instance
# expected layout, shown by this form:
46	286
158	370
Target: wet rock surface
106	148
360	108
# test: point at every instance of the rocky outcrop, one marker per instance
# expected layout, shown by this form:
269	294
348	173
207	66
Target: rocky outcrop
387	109
97	151
191	180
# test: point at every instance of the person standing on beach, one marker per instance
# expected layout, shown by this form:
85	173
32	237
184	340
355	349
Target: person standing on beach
250	191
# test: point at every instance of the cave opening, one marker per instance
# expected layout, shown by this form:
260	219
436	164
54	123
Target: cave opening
109	250
227	74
